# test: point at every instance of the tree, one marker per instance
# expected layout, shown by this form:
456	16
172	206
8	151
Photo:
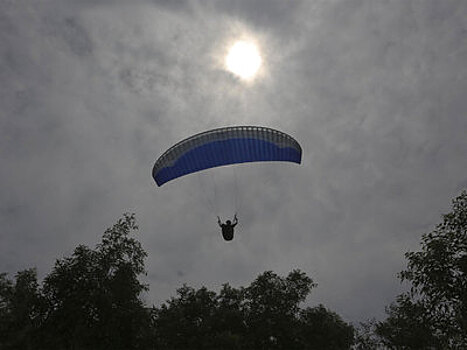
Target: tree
324	329
366	337
20	310
272	309
264	315
230	326
93	296
187	321
434	312
91	300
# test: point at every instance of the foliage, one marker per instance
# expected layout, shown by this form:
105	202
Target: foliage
324	329
366	337
91	300
434	313
272	309
20	305
264	315
100	288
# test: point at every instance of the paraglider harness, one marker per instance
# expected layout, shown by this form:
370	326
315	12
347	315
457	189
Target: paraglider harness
228	228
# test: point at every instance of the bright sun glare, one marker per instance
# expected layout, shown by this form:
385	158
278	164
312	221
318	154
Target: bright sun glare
243	60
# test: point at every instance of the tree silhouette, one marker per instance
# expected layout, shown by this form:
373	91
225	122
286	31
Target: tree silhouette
324	329
93	296
434	312
264	315
20	310
92	300
89	300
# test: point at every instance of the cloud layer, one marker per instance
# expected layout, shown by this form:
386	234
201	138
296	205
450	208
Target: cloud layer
93	92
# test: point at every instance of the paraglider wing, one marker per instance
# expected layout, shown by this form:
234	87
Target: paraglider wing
229	145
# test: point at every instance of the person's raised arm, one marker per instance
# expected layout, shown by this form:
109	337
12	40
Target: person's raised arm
219	221
235	220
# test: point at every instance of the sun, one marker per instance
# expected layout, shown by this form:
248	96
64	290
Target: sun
243	60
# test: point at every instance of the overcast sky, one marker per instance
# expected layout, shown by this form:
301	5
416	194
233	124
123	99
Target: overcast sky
92	92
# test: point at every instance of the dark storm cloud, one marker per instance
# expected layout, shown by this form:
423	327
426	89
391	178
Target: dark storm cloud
93	92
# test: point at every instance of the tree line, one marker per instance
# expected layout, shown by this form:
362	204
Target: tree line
93	300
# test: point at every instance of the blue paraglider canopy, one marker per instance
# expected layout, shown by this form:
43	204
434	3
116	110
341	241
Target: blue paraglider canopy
223	146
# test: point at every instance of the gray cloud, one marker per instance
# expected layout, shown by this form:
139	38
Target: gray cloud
92	93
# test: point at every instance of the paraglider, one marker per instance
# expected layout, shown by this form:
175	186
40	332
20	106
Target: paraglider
228	227
225	146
